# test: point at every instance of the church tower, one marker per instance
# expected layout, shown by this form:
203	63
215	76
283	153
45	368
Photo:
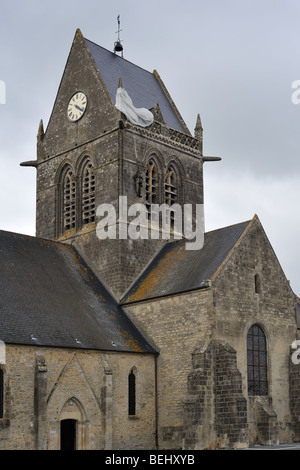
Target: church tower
211	330
91	154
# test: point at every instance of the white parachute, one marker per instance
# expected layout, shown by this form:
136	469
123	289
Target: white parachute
138	116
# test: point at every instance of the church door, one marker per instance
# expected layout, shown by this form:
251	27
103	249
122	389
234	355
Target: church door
68	434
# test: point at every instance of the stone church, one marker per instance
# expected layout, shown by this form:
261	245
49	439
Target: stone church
137	343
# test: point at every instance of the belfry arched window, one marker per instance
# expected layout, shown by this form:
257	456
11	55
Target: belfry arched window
88	194
171	190
257	367
69	200
151	185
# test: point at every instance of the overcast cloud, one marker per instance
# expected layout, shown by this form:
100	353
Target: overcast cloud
232	61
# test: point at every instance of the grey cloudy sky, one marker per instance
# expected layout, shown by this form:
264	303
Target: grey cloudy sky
232	61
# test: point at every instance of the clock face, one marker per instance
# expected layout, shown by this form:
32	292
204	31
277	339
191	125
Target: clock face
77	106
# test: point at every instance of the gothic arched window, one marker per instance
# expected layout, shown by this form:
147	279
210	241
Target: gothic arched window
151	185
257	284
131	394
69	200
88	194
257	361
171	190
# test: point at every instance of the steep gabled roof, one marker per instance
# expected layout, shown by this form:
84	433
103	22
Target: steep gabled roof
50	297
175	269
143	87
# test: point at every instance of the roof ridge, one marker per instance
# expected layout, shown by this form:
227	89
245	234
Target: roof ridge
228	226
54	242
184	239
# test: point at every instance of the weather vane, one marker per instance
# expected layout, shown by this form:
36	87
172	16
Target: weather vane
118	46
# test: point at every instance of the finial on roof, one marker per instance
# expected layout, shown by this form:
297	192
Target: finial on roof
118	46
199	123
199	133
120	84
41	132
79	33
157	113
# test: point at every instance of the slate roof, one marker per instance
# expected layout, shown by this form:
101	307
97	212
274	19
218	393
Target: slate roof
142	86
50	297
176	269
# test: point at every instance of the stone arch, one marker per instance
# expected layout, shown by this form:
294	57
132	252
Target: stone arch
86	183
66	191
74	410
257	360
153	177
61	168
175	165
157	157
74	397
84	156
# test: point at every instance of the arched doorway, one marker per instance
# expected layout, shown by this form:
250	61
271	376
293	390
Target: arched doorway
73	426
68	434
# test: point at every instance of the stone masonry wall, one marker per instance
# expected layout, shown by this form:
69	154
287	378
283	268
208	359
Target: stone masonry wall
44	385
295	392
175	325
240	303
117	156
215	409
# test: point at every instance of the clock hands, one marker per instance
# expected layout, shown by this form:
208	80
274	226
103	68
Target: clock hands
77	107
